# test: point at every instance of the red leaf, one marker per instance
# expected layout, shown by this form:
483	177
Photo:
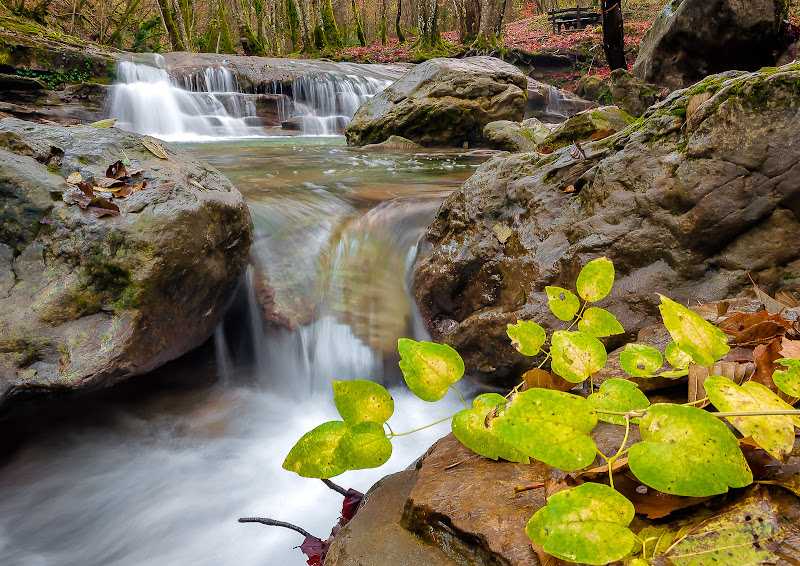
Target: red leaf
351	502
314	549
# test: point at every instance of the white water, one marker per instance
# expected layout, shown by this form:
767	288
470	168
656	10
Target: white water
209	105
554	102
324	103
147	100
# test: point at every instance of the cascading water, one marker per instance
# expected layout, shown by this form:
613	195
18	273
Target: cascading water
162	481
554	102
146	99
322	104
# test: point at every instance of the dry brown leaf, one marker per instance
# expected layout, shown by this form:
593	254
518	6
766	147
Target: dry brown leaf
74	178
106	184
736	372
601	134
761	333
695	102
546	380
765	356
772	306
116	170
790	348
101	212
739	354
601	471
139	187
545	150
107	123
787	298
570	189
650	502
166	186
196	184
87	189
741	321
154	146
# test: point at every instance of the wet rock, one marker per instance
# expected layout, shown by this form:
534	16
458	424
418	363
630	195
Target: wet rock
95	301
442	102
539	130
508	136
394	142
682	208
582	126
623	90
549	103
692	39
375	538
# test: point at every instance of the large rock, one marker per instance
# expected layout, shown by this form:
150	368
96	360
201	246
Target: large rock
442	102
604	120
692	39
552	104
682	207
86	302
621	89
508	136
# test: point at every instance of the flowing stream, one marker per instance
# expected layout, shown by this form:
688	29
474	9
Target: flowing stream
161	480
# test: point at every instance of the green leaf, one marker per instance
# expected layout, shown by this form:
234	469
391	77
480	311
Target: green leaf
576	355
687	451
428	368
550	426
586	524
596	279
640	360
747	534
470	428
774	433
526	336
703	341
361	400
599	323
363	446
788	380
314	454
677	357
563	303
618	395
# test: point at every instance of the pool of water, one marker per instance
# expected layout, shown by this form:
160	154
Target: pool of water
161	480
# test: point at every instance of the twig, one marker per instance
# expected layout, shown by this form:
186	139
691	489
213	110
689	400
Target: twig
274	523
521	488
336	488
465	460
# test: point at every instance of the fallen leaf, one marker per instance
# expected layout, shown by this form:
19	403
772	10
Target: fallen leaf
546	380
101	212
790	348
736	324
154	146
577	152
315	549
196	184
106	183
87	189
570	189
787	298
765	356
601	134
545	150
761	333
166	186
695	102
744	535
739	354
736	372
107	123
351	502
116	170
772	306
792	483
74	178
502	232
601	471
650	502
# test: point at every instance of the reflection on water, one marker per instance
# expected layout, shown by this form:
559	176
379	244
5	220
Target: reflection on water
163	480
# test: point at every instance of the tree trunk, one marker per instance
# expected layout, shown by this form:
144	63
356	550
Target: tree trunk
224	30
359	30
400	37
613	34
169	24
294	24
116	36
181	24
332	36
383	23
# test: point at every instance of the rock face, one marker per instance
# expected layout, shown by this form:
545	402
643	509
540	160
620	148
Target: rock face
682	207
508	136
621	89
692	39
553	104
394	142
442	102
86	302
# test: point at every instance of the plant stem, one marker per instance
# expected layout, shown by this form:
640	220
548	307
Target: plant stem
579	316
274	523
460	397
636	414
698	402
423	427
546	357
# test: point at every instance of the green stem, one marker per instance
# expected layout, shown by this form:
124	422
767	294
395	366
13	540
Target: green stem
391	432
579	316
460	397
636	414
546	357
698	402
423	427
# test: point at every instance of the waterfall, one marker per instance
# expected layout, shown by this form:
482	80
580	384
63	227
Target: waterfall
209	104
322	104
146	99
554	102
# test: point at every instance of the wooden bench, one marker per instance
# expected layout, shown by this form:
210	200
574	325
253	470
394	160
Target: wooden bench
575	18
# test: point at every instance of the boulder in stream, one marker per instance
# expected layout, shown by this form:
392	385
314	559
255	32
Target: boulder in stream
621	89
702	189
442	102
601	121
508	136
692	39
89	298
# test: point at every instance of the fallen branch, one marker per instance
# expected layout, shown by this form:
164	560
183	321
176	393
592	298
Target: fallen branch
274	523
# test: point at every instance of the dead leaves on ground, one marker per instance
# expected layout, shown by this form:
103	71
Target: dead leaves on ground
97	194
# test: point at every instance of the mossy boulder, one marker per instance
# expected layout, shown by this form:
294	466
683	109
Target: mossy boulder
88	301
686	208
623	90
442	102
692	39
582	126
508	136
394	142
